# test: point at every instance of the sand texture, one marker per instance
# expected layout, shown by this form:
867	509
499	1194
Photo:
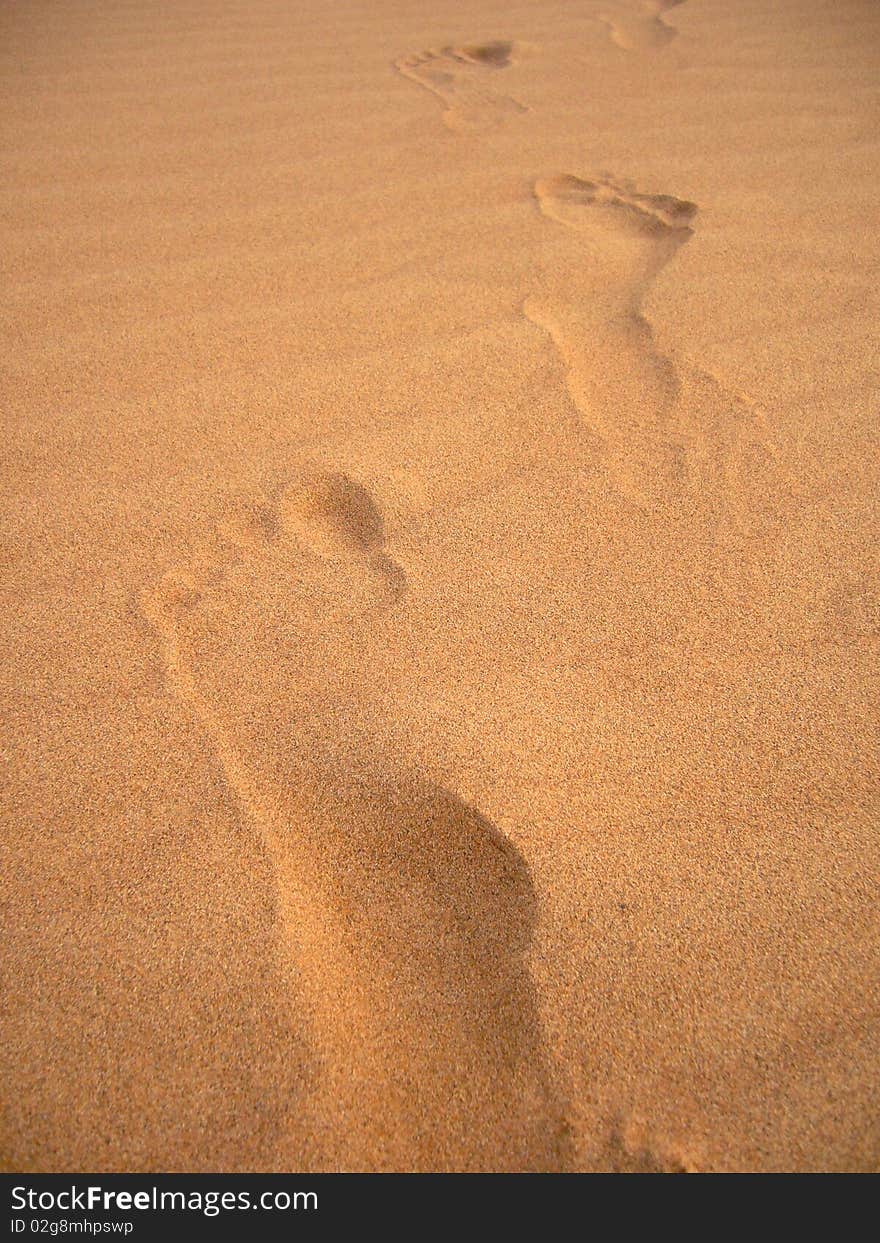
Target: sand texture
440	631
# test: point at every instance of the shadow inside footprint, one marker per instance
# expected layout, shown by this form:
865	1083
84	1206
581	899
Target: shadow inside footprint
335	518
496	55
438	907
409	844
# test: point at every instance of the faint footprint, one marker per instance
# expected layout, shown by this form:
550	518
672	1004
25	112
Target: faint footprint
641	27
618	379
457	76
618	205
672	437
636	1149
850	606
405	915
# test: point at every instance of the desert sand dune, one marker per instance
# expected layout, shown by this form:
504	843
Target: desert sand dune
440	681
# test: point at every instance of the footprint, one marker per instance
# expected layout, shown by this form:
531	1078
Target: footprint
635	1149
617	377
404	915
673	437
850	607
310	566
640	28
457	76
615	207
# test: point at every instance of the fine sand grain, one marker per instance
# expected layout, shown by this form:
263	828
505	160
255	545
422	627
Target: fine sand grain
440	695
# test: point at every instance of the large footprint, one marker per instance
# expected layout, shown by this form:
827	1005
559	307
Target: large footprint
640	27
458	77
404	913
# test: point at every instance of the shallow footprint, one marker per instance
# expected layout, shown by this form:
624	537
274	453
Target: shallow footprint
457	76
615	206
672	436
622	384
636	1149
641	27
306	570
404	914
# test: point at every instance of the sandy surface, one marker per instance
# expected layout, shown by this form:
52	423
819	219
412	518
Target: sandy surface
440	555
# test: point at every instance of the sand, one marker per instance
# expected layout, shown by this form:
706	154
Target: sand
440	695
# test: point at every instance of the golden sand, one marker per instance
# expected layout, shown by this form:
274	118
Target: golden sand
441	557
